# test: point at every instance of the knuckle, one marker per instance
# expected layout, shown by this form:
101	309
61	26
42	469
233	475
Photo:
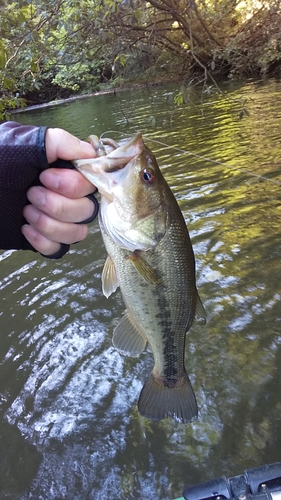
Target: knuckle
54	206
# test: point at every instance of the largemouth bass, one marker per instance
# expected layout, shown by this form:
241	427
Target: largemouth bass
150	257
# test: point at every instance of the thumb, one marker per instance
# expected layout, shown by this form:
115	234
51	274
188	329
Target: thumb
61	144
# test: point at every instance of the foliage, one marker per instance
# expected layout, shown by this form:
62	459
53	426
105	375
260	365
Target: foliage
89	76
55	47
256	46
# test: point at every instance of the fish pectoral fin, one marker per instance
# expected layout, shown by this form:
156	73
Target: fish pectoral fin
144	269
127	339
109	278
200	314
159	400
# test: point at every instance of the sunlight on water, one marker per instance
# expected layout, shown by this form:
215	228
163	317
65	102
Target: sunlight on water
68	398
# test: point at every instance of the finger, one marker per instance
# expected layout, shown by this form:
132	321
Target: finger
39	242
66	182
59	207
62	144
60	232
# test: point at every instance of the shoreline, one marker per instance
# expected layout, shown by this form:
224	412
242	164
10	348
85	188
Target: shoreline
61	101
57	102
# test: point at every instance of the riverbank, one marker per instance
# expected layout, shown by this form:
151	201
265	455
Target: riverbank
111	90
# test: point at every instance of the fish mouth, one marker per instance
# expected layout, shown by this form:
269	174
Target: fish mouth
108	179
107	171
111	178
119	157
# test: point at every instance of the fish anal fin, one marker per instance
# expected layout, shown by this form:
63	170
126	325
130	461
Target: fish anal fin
158	400
109	278
200	314
145	269
127	339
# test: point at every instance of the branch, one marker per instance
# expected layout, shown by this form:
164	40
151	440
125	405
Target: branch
15	53
205	25
37	27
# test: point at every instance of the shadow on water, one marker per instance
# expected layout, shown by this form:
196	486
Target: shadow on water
19	462
70	427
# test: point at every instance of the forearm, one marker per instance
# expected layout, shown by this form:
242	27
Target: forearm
22	157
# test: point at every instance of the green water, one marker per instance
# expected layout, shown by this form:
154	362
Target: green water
69	423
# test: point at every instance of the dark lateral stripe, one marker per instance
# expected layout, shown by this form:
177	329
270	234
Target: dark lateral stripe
169	347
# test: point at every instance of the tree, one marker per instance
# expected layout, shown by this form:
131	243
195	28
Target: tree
57	47
27	32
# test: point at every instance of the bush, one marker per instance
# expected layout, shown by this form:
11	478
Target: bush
256	47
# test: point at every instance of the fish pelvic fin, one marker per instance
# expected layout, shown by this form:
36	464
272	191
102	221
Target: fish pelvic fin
109	278
158	400
127	339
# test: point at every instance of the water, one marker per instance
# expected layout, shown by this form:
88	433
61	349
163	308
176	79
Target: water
69	424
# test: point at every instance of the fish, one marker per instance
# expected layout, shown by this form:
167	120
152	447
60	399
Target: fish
150	257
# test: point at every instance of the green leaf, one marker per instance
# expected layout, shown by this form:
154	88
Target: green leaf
7	83
179	99
2	58
122	59
33	67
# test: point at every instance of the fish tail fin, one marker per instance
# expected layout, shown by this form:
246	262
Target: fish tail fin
159	400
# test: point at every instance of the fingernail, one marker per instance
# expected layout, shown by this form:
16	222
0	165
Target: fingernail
89	148
29	229
31	214
50	180
29	233
36	196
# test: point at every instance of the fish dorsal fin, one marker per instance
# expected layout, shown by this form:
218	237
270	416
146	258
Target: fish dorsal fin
200	314
127	339
109	278
144	269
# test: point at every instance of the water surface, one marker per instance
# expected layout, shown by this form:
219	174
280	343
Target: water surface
69	422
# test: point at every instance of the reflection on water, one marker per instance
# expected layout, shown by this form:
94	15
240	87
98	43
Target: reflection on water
69	424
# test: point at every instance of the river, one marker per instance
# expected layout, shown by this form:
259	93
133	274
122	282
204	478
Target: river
70	428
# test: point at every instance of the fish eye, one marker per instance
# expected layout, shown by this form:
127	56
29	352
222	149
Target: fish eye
148	176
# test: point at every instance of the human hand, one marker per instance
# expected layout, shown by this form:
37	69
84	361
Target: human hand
60	202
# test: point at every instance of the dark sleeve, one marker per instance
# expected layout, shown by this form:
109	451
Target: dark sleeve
22	158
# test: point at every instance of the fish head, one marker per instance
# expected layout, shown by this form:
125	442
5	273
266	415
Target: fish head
131	187
96	170
136	188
